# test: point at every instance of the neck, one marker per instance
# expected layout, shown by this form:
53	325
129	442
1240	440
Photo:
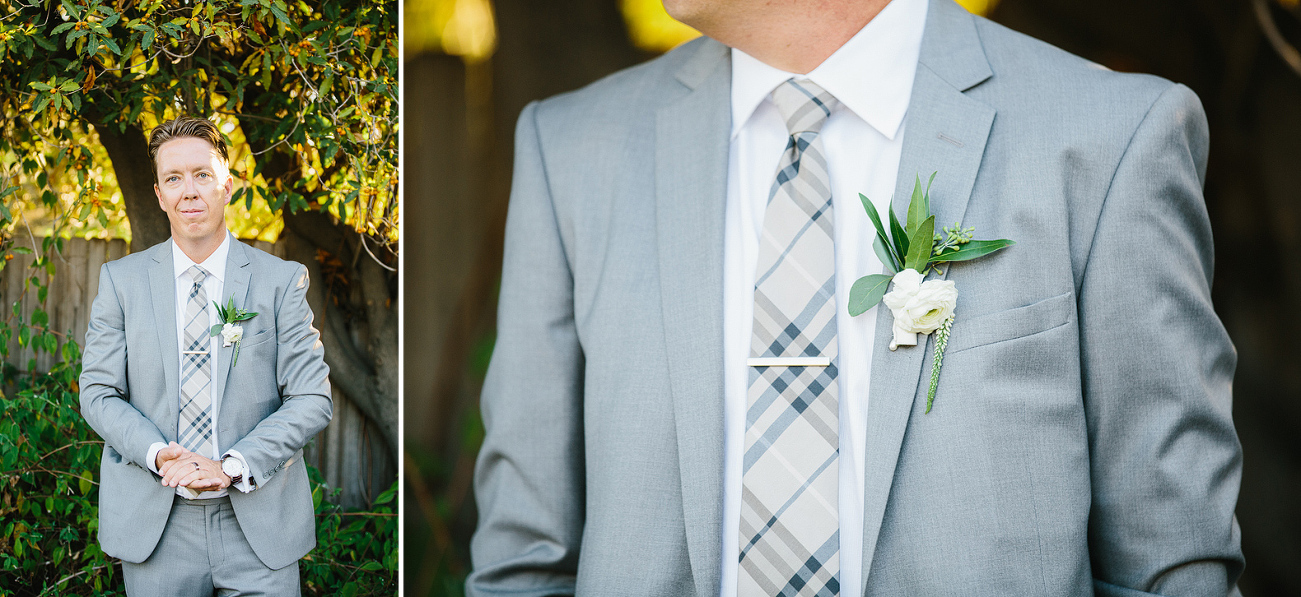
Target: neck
198	250
796	39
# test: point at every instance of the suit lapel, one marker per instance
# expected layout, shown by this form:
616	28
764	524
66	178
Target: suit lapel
691	149
162	291
946	131
235	287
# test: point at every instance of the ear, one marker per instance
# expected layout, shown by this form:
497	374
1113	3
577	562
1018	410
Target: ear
230	186
159	194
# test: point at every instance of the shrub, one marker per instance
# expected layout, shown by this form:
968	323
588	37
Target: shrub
49	464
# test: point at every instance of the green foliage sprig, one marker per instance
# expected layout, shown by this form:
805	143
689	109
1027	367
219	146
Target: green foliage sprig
229	315
937	359
914	246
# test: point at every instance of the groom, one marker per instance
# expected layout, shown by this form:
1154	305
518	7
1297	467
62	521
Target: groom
202	481
680	404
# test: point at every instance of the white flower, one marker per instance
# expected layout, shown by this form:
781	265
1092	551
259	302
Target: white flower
231	333
918	307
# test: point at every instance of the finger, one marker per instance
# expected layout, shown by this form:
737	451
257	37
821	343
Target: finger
171	465
206	484
172	450
177	470
189	478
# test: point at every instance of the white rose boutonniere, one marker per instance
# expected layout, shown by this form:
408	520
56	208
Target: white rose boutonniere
231	333
229	328
919	306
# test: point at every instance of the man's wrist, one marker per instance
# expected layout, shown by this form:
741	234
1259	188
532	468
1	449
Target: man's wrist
233	468
151	460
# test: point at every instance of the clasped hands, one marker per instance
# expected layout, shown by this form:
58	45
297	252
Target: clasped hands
183	468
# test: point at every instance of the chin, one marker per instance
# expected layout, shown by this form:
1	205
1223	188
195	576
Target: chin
685	11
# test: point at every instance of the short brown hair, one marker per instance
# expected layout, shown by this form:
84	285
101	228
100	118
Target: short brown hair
185	126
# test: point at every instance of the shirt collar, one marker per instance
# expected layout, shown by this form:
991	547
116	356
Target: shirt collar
215	264
871	75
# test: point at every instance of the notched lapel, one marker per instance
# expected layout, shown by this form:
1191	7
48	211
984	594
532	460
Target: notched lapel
236	287
946	132
162	294
691	149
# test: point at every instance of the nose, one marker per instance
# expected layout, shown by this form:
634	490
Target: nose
189	191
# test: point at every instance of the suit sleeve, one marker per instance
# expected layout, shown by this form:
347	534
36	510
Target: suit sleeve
529	475
105	401
302	378
1165	459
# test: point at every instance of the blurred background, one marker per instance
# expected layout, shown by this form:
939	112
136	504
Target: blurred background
472	65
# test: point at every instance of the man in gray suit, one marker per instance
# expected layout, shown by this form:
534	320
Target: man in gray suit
202	483
1081	439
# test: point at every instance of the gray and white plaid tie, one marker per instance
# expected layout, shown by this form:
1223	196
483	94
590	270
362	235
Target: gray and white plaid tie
789	533
196	371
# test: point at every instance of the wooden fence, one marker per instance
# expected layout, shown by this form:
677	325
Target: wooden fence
350	452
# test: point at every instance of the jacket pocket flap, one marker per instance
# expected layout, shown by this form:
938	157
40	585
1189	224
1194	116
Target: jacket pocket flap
257	338
1011	324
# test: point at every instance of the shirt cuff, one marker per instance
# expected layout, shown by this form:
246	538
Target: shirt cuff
153	457
245	484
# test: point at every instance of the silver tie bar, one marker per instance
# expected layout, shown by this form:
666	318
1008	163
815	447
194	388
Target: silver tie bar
788	362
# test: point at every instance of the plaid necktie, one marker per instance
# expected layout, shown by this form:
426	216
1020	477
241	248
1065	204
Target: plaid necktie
789	533
196	371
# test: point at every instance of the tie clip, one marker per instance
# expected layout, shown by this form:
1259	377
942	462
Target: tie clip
194	352
788	362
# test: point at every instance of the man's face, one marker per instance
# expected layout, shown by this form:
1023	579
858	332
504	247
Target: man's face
193	187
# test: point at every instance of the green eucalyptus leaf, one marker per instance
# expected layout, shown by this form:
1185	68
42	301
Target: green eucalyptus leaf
922	242
918	210
896	258
872	215
214	330
972	250
867	292
883	253
901	236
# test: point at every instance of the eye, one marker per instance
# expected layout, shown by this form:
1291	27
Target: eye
172	178
203	175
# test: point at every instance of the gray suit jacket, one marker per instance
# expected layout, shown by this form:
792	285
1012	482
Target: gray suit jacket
270	403
1081	439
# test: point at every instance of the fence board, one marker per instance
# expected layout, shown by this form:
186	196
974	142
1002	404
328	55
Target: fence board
350	452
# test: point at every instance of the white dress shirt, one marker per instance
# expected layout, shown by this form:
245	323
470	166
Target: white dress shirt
213	285
872	76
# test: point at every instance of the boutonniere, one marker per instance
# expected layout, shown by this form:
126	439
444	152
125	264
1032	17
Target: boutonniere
919	306
229	328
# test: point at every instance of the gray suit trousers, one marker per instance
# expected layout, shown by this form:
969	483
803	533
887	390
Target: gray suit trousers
203	552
